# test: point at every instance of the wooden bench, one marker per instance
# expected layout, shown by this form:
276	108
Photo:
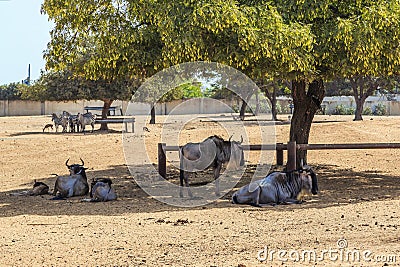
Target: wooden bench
125	121
111	109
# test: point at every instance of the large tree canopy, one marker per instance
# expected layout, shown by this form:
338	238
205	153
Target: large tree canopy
305	41
352	39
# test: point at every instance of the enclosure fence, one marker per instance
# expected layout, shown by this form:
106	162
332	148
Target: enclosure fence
291	147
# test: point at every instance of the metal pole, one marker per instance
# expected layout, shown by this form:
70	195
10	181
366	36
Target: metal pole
162	160
291	156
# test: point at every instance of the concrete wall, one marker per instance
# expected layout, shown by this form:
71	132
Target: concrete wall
392	106
191	106
23	108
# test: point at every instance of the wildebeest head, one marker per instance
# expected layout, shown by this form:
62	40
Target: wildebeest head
39	188
307	170
76	168
236	153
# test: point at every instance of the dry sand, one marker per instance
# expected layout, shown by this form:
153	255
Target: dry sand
358	203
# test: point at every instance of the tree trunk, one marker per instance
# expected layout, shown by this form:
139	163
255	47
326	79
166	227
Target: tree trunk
243	109
359	109
104	113
273	104
306	104
153	115
271	97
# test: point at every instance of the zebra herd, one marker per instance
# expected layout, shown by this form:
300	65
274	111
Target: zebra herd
73	123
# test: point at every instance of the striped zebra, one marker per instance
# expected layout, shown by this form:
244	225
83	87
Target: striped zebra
73	122
59	120
86	119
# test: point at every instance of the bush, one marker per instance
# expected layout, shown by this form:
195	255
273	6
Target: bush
367	111
380	110
343	110
10	92
282	109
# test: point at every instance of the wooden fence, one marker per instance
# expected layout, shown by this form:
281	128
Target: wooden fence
291	148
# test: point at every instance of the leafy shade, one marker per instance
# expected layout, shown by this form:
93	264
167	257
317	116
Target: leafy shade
62	85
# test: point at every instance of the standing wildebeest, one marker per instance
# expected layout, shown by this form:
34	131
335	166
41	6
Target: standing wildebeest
212	152
73	185
101	191
39	188
278	188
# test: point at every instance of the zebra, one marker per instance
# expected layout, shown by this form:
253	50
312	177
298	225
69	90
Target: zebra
59	121
73	122
86	119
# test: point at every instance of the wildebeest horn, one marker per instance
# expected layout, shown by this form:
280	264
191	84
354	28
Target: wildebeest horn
83	163
241	139
66	163
230	138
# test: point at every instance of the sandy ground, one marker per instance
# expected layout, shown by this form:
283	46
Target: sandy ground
356	213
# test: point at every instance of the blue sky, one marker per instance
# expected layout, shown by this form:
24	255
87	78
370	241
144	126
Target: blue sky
24	34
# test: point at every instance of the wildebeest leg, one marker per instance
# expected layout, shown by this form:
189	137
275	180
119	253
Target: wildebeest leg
186	177
92	127
217	170
272	204
290	201
181	177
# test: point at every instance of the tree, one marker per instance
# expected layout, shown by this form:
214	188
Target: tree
10	91
352	38
101	44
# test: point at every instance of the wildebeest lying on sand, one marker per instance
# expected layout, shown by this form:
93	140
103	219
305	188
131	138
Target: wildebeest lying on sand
212	152
101	190
73	185
39	188
278	188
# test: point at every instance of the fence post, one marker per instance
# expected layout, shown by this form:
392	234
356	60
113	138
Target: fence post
291	156
279	154
162	160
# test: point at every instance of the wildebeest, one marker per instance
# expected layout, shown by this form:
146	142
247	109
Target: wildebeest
278	188
73	185
39	188
86	119
212	152
101	190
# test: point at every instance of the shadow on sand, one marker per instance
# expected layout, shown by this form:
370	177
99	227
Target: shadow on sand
337	186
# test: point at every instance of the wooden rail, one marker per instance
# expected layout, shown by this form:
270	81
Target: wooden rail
291	148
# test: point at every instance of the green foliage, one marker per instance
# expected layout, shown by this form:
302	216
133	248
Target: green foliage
343	110
380	110
218	92
10	92
282	109
186	90
63	86
367	111
338	87
192	91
